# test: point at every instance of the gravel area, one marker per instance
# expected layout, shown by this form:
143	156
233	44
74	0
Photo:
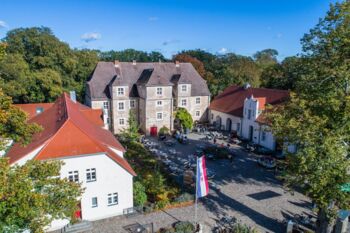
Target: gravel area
243	190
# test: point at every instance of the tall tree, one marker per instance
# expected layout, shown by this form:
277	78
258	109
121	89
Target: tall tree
33	53
317	119
266	58
197	64
129	55
282	75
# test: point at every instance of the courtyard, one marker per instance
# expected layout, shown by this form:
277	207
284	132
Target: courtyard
241	189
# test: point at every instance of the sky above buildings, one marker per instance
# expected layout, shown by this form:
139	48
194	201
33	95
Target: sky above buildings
169	26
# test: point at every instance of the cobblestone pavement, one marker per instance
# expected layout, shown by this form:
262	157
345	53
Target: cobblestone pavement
244	190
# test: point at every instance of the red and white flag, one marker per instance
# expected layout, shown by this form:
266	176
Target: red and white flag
202	180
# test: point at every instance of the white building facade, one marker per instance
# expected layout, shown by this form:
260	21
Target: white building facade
237	110
91	155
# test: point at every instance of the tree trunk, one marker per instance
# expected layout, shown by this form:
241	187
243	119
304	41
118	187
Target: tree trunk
324	224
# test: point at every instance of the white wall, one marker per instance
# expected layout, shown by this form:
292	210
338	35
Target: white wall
224	116
111	178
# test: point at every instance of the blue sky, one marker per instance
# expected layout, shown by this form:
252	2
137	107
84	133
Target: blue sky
168	26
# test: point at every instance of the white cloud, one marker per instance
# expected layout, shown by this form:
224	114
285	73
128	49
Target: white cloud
223	51
279	35
167	42
3	24
153	18
91	36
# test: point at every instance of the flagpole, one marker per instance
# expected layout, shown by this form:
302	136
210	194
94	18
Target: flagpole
196	199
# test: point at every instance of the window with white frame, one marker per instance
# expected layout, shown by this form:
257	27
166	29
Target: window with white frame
159	116
198	113
90	174
120	91
121	106
249	114
94	202
106	105
183	88
198	100
263	136
132	103
159	103
238	127
212	116
121	121
112	199
183	102
73	176
159	91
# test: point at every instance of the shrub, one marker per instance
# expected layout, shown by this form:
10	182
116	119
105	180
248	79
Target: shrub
185	197
161	204
184	227
242	228
140	196
164	131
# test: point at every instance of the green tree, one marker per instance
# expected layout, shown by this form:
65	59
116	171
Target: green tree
131	133
317	119
13	123
184	117
33	195
140	196
266	58
128	55
283	75
32	54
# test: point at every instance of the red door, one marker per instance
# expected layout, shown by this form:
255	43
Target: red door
153	131
78	212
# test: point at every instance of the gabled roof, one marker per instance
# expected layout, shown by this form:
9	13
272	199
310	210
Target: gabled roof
70	129
231	100
143	73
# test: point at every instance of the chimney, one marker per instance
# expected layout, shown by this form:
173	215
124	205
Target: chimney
116	63
246	86
73	96
134	62
177	63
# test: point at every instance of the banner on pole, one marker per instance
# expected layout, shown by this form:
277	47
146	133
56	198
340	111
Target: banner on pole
202	180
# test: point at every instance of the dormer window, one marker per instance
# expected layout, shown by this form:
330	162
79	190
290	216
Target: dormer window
159	91
120	91
184	88
39	110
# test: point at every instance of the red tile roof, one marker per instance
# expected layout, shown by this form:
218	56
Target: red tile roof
70	129
30	109
231	100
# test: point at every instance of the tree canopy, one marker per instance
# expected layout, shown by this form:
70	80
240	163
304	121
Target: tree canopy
317	119
184	117
38	66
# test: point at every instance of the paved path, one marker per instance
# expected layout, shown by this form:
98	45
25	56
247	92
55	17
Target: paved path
244	190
